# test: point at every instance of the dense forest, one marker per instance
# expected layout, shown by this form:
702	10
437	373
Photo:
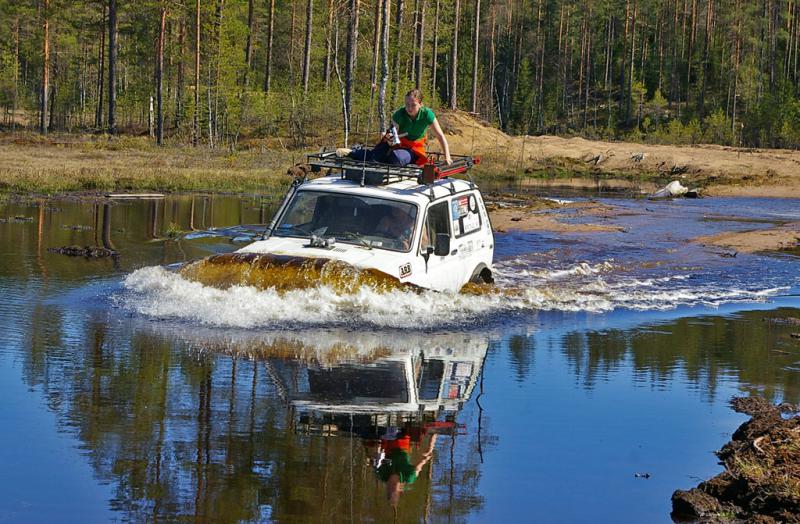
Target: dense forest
209	72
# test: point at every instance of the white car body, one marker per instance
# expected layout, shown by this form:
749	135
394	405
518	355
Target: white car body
430	374
471	249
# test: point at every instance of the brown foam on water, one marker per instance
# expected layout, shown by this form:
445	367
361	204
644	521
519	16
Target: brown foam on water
475	288
285	273
288	348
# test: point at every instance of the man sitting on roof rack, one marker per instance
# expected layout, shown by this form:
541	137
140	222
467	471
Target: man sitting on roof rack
410	123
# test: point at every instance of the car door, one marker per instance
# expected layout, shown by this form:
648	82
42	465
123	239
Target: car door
470	234
439	269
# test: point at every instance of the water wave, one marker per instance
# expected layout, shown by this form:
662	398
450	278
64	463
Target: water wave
157	292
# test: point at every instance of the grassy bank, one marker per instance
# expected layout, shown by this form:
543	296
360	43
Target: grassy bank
761	481
58	164
69	163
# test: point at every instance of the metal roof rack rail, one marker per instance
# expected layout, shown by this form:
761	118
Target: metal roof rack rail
376	173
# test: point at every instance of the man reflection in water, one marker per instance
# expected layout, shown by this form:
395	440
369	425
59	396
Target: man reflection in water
395	467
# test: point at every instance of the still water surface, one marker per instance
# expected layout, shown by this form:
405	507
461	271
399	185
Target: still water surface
131	394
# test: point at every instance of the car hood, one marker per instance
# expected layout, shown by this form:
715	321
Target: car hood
353	254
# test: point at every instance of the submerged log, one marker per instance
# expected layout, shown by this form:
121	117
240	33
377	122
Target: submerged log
87	251
17	219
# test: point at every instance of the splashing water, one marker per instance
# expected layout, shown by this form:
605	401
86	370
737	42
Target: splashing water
284	273
237	291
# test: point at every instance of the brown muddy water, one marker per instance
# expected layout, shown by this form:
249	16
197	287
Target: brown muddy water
133	394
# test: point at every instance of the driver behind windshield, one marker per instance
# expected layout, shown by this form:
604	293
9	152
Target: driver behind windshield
396	225
368	221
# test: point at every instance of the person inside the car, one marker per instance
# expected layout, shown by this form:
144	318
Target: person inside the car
396	225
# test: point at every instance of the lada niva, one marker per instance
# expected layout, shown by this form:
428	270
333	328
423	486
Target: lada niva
416	224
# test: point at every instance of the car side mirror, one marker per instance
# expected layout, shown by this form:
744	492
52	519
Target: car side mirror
442	246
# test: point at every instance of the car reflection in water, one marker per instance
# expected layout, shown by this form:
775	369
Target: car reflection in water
288	426
397	404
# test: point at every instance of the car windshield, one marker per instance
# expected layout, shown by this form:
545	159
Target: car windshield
371	222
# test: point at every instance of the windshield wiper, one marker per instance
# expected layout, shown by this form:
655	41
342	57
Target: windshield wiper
290	227
355	236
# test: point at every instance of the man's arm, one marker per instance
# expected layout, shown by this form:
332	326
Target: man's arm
439	134
427	456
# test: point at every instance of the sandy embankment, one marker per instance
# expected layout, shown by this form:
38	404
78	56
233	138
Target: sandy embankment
719	170
782	237
512	212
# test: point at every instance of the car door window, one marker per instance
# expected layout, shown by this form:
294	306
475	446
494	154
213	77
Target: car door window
435	222
465	214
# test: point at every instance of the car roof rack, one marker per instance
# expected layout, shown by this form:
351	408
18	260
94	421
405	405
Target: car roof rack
376	173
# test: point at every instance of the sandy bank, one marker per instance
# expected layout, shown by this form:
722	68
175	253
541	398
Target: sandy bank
785	236
513	212
519	213
720	170
60	163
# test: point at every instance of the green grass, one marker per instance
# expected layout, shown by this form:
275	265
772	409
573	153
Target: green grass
173	230
49	165
66	163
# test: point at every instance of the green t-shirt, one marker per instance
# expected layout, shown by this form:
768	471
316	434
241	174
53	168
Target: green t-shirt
398	462
415	127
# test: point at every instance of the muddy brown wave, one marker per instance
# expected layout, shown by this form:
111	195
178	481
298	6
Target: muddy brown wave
285	273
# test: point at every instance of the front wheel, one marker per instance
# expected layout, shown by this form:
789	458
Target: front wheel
482	275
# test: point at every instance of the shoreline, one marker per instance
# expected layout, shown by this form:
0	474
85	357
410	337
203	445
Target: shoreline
60	164
783	237
762	474
510	211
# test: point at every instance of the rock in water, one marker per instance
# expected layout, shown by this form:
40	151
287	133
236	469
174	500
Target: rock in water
694	504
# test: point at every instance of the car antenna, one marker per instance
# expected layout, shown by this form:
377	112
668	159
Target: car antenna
363	168
366	140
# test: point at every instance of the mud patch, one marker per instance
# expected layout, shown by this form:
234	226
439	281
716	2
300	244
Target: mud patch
761	481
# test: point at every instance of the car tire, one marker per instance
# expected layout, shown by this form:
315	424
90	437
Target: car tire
482	275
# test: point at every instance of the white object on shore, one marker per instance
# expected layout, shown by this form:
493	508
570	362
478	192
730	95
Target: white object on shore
558	201
674	188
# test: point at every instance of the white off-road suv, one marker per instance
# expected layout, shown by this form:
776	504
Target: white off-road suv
416	224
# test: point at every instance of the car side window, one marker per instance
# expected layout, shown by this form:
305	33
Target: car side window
435	222
465	214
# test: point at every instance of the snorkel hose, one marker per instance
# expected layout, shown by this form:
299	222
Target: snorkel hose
297	182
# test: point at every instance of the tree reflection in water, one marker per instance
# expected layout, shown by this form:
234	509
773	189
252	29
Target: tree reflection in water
194	423
281	427
755	347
